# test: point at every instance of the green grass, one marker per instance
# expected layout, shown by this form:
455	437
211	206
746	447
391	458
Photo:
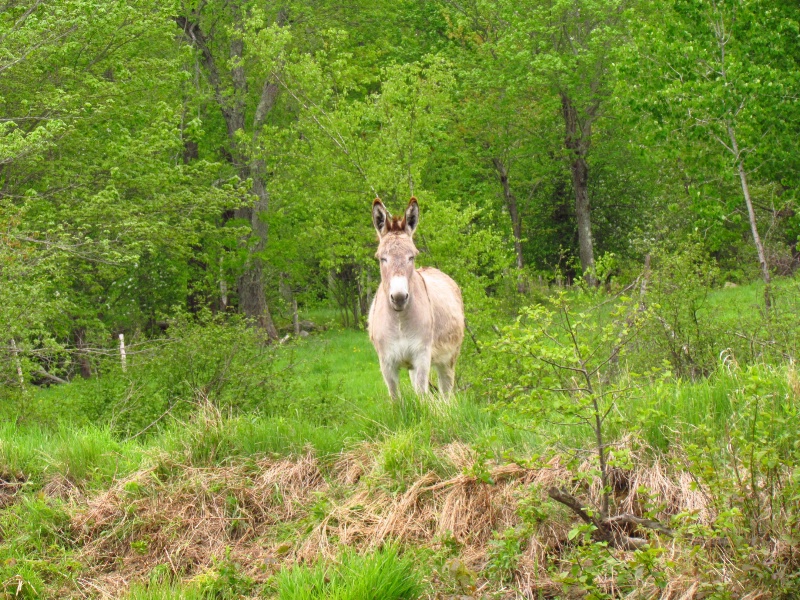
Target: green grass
382	575
686	411
162	591
336	364
339	400
85	456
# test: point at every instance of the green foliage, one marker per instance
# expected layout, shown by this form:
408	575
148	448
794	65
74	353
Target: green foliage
224	580
683	329
505	549
752	476
599	573
381	575
203	359
694	330
561	362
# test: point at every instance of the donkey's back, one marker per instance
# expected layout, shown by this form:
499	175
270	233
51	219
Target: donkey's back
447	311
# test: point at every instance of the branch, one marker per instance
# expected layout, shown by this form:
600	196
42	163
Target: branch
50	376
607	528
570	502
647	523
194	36
334	136
269	92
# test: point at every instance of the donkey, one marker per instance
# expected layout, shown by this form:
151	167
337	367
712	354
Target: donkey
417	316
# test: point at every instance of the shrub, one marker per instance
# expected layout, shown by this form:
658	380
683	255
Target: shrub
682	330
202	359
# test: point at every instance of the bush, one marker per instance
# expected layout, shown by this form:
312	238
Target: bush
682	331
201	359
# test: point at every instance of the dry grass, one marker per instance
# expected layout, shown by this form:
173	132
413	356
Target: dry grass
202	514
189	521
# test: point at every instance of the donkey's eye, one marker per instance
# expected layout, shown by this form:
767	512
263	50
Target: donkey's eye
384	259
410	259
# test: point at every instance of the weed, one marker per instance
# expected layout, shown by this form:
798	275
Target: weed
504	552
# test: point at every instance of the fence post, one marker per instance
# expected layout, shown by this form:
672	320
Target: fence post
15	352
122	357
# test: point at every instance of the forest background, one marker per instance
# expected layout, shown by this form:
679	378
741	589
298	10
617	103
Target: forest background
196	178
223	156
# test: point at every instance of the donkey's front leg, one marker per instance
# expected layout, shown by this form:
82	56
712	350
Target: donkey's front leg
421	373
391	373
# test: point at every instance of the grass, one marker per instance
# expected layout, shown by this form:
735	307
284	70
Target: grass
83	456
338	400
326	401
381	575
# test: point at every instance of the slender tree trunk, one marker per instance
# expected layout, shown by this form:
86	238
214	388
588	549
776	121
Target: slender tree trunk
20	375
577	142
513	212
762	257
82	356
295	316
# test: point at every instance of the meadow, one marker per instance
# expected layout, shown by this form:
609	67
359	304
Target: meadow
190	194
306	481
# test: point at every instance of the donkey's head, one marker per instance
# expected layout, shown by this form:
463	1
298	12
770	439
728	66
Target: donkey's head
396	250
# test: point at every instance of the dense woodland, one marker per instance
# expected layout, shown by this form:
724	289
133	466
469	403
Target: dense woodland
167	158
614	184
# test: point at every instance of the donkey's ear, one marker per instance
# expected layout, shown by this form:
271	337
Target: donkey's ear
412	216
379	216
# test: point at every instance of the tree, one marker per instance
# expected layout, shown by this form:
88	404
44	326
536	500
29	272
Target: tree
98	211
569	48
726	75
240	48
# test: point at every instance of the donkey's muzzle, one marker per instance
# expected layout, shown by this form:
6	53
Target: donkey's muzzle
398	300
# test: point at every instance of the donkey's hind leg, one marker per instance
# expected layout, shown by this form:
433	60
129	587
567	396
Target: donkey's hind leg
419	375
447	376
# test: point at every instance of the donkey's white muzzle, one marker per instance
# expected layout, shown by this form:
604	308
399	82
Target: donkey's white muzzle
398	293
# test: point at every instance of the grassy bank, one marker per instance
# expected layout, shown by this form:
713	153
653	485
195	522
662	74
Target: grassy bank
247	475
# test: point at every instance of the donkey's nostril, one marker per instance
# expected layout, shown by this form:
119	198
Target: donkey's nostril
399	297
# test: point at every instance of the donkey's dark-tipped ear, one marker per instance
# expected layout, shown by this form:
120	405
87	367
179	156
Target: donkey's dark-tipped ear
412	216
379	216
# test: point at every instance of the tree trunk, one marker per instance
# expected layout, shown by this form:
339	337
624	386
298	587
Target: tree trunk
231	100
762	257
577	142
252	301
83	358
250	284
223	288
295	316
513	212
18	363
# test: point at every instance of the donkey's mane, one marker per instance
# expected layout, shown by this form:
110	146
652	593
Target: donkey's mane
396	225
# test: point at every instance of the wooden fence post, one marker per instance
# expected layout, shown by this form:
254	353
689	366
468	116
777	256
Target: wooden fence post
122	357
